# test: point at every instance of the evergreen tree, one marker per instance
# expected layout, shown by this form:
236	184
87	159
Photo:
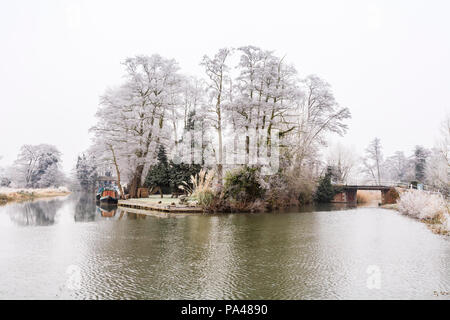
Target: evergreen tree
243	184
182	172
325	191
420	161
158	175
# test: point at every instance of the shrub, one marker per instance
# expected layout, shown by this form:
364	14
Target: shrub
306	193
200	188
285	190
233	205
446	220
243	185
422	205
392	195
180	173
277	193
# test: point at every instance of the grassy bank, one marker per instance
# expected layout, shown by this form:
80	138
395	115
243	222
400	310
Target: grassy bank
10	194
429	208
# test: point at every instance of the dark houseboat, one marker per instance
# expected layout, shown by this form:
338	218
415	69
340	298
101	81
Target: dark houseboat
107	195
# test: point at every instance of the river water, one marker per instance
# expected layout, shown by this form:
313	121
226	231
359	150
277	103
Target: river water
67	248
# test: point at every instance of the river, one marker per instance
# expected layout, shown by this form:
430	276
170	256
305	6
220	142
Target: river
67	248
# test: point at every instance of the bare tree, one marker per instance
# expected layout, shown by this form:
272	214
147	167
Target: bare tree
437	170
317	113
398	167
373	160
217	72
342	161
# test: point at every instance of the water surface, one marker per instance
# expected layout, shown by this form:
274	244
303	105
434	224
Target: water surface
67	248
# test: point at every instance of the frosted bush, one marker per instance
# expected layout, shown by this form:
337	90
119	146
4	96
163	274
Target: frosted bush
422	205
446	221
63	189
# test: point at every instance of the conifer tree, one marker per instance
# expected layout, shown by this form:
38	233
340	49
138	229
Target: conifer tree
325	191
158	175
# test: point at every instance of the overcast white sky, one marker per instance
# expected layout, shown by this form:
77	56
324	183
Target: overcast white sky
388	61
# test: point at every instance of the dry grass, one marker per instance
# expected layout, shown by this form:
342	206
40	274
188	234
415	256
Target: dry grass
202	187
365	196
10	194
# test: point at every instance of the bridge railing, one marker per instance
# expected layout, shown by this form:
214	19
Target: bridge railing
390	183
383	183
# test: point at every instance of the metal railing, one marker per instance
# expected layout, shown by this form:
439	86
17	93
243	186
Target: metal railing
391	183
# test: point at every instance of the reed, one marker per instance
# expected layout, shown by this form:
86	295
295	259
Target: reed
201	187
364	196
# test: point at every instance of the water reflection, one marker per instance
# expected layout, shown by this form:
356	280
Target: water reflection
107	211
35	213
311	254
80	207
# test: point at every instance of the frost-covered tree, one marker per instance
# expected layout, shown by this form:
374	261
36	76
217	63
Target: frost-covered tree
132	117
420	161
253	97
342	161
372	162
86	171
195	119
444	141
398	167
437	169
5	181
216	70
316	115
38	166
248	93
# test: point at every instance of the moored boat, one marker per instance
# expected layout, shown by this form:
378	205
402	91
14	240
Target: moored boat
107	195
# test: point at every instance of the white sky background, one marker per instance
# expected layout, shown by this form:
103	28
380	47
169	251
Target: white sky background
388	61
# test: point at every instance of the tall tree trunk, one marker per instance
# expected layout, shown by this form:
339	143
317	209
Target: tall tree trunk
247	147
136	181
117	171
219	132
220	163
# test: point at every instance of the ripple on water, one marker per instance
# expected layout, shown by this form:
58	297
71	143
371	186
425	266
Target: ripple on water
298	255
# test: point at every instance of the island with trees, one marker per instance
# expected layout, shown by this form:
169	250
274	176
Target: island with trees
249	135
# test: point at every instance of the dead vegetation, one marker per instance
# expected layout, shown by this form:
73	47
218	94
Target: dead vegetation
365	196
11	195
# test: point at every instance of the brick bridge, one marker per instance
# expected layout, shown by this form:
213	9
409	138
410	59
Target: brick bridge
348	194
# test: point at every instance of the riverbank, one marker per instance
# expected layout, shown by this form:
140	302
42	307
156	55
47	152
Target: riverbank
437	220
26	194
169	205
